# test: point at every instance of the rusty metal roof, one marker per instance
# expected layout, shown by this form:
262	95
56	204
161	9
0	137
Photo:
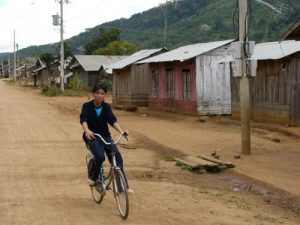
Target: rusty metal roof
186	52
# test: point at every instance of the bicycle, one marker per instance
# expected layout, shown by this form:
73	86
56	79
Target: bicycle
115	178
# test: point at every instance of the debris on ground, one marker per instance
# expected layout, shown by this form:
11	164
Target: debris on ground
227	164
126	108
201	165
237	156
215	154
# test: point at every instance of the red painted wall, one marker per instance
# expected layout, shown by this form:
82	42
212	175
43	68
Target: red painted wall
181	105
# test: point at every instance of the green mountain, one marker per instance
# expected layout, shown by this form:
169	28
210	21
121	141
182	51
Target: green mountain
190	21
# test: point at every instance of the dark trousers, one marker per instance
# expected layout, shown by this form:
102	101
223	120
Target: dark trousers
98	148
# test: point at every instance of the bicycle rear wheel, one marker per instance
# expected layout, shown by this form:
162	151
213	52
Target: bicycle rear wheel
121	194
97	194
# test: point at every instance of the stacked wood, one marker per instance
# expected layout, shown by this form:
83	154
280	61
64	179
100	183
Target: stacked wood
217	161
201	165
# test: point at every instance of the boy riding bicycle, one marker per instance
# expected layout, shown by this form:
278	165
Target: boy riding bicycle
94	118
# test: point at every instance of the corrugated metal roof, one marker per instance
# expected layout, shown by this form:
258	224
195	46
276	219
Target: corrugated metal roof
108	70
39	69
186	52
275	50
134	58
94	62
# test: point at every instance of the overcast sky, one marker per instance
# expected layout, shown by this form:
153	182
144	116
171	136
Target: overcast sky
32	19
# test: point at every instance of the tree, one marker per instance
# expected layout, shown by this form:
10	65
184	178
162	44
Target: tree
117	48
47	58
104	37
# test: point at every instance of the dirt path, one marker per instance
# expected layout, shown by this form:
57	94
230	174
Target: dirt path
43	174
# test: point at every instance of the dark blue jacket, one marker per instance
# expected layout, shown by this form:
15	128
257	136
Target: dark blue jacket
97	124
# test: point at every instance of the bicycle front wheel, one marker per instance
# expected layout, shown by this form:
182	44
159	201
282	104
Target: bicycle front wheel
121	194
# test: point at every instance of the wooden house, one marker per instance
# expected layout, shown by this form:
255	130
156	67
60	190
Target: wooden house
7	71
275	91
87	67
130	80
193	79
44	75
293	33
2	71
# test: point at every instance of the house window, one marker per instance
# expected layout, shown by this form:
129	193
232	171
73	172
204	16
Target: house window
155	82
186	84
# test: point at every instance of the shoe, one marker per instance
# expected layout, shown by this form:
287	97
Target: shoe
91	182
130	191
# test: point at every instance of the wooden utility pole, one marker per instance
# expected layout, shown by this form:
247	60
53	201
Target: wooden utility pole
15	63
25	75
62	60
2	70
244	80
164	10
9	74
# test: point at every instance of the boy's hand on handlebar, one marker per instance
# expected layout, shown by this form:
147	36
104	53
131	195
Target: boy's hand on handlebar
125	134
89	135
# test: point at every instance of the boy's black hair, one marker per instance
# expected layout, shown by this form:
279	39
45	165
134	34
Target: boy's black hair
97	87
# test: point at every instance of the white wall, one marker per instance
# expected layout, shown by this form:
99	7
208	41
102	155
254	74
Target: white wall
213	82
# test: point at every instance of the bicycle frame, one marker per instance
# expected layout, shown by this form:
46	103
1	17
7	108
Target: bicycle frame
113	163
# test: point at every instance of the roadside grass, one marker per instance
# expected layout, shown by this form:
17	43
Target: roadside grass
169	158
53	90
10	81
266	218
239	202
73	93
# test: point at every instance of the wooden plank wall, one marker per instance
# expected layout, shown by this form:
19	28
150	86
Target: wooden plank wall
121	85
295	95
140	84
80	72
93	78
270	92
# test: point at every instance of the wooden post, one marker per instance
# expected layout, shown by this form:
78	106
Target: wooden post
244	80
25	75
62	60
15	65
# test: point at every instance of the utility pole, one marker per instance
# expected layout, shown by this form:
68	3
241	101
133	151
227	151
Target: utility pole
9	75
18	59
2	71
62	60
15	64
25	75
244	80
18	62
164	10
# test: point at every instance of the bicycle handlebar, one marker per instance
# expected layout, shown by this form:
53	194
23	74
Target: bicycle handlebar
123	134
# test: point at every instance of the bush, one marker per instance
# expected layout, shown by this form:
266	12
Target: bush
50	90
75	83
106	84
10	81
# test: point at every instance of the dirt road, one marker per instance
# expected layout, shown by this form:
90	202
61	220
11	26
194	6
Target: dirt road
43	173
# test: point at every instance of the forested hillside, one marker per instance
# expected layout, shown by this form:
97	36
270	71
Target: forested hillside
190	21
